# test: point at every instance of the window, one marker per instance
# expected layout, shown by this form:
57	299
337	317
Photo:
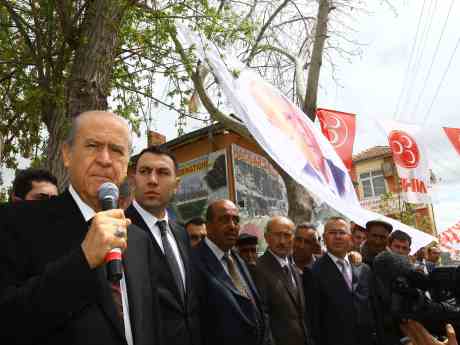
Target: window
373	183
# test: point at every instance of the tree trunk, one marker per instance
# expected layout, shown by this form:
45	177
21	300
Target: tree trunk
311	95
89	83
90	80
57	126
299	200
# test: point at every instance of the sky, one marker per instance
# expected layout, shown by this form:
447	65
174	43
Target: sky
399	73
393	60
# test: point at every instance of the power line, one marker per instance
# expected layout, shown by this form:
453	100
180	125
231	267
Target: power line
442	80
419	55
406	73
435	54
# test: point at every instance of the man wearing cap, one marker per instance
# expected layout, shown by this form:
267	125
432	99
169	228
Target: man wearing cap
247	248
378	232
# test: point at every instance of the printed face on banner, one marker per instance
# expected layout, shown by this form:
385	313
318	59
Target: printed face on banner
405	150
454	136
287	118
283	115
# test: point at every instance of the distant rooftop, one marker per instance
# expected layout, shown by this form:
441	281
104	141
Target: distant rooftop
373	152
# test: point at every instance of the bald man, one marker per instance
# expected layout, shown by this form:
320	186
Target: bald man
280	285
54	287
231	308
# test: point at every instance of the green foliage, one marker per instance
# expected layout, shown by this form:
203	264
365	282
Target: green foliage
39	41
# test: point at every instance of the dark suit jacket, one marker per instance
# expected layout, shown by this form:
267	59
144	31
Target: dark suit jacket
228	317
285	306
48	293
180	321
339	316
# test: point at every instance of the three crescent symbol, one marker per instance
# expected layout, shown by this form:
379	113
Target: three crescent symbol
401	147
409	141
404	148
332	129
411	161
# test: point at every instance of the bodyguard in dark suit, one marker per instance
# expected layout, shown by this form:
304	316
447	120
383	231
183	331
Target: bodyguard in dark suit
337	293
280	285
53	282
155	184
231	308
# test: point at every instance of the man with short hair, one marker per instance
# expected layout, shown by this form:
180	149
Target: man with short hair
433	253
231	307
305	241
196	229
358	236
34	184
247	248
54	287
337	293
399	242
378	232
280	285
155	179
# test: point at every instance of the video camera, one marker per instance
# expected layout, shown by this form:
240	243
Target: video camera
400	292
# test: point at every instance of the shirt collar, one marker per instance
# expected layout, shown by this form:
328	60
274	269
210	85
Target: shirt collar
335	258
149	218
219	253
86	211
282	261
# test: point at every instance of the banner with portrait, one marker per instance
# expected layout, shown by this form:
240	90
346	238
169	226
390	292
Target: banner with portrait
288	136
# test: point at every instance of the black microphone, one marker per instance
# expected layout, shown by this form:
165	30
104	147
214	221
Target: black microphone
390	266
108	199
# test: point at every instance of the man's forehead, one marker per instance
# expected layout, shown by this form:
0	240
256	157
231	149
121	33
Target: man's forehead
337	224
226	208
149	159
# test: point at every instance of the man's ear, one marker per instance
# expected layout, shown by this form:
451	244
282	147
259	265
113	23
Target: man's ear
177	184
65	151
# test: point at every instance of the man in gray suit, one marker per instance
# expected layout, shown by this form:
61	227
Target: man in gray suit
280	285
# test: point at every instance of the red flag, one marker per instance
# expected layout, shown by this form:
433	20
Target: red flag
454	136
339	129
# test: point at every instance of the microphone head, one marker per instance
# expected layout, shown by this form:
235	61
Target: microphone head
108	193
388	266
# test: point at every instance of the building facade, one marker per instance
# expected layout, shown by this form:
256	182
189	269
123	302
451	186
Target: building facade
378	188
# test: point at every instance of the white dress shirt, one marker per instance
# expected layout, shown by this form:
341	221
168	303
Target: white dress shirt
151	222
89	213
347	265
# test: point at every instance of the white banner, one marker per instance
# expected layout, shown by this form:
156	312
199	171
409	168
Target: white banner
288	136
411	160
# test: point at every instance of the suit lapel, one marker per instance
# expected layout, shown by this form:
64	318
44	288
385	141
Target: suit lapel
181	244
355	277
276	267
67	212
338	275
137	219
107	303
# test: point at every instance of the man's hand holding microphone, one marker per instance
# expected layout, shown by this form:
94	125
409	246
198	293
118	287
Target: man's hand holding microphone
107	236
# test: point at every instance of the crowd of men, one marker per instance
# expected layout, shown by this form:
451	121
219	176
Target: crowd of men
198	284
